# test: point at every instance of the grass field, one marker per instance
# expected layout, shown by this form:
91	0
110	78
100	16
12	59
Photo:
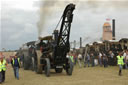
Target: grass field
81	76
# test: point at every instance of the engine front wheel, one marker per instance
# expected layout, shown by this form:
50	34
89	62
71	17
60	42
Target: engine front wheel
33	64
69	67
47	67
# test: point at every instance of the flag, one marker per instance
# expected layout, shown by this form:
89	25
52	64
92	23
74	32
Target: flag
108	19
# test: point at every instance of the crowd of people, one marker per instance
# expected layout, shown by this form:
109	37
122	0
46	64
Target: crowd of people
104	59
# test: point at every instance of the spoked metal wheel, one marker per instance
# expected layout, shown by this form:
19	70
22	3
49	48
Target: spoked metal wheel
26	63
47	67
33	64
69	67
37	68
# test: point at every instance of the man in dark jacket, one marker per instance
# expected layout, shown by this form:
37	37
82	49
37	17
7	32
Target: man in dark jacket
105	60
16	65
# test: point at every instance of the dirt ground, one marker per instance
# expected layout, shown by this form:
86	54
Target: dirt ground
81	76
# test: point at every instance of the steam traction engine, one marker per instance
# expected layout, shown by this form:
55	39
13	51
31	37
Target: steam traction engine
51	53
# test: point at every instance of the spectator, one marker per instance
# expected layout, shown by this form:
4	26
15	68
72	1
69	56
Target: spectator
111	56
87	60
92	59
105	59
71	58
3	65
67	56
79	59
75	58
120	62
100	58
16	65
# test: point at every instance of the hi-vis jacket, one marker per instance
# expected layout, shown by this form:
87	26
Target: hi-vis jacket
3	65
120	60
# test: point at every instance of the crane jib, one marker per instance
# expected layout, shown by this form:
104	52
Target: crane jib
67	18
63	45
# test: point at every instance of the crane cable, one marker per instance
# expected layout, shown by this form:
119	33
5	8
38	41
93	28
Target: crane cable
59	22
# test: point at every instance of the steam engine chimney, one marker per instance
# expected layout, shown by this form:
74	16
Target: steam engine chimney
80	42
55	35
74	44
113	29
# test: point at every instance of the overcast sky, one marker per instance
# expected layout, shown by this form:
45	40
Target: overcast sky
19	19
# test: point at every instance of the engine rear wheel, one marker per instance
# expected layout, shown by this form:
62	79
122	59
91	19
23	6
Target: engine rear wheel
69	67
38	67
47	67
26	63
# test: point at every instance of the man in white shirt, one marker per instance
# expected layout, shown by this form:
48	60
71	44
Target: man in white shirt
79	59
67	56
100	58
124	55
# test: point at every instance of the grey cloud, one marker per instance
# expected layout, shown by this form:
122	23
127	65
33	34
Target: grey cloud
18	28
